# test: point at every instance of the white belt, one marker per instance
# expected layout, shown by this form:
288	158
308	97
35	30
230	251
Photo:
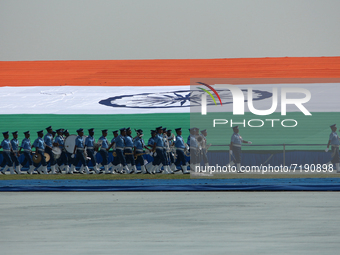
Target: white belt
181	149
7	150
89	147
81	149
128	148
103	149
158	147
41	150
335	145
15	150
139	150
27	150
119	148
237	145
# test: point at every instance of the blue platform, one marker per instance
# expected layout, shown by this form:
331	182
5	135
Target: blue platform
284	184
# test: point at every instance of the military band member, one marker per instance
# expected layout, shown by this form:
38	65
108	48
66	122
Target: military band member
194	149
204	134
7	149
119	141
80	156
170	154
166	148
334	142
188	141
89	143
129	157
235	148
151	142
180	147
160	155
39	145
104	151
26	146
62	161
48	139
70	160
139	147
15	152
114	165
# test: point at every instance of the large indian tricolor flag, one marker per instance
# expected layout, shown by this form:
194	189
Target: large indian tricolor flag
144	94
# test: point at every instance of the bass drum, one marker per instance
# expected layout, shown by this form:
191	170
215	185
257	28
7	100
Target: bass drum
70	142
57	152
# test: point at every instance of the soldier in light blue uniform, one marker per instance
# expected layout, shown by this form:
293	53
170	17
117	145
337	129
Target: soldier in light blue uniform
128	151
39	150
104	151
166	151
80	156
6	153
89	143
151	142
204	134
26	146
194	149
15	152
160	155
48	139
180	147
70	160
191	132
139	146
119	141
334	142
171	143
114	165
62	161
235	148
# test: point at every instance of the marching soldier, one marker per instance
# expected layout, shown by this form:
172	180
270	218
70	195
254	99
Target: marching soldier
235	148
114	165
139	145
180	147
26	146
119	141
171	143
130	160
160	155
89	143
39	150
48	139
104	151
204	148
166	148
66	134
7	149
151	142
334	142
80	156
15	152
62	161
194	148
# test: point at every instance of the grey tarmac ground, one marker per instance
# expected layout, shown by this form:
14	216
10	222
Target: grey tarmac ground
169	223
